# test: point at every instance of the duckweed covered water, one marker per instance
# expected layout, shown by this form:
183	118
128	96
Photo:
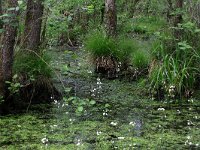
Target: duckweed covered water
122	118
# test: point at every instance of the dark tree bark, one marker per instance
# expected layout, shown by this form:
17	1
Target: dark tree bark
8	45
43	34
111	17
102	12
1	71
33	24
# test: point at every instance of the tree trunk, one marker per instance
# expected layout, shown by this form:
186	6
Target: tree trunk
1	12
111	17
178	19
8	45
1	71
33	24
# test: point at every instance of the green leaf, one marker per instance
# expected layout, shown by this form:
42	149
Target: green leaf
107	105
15	76
92	102
65	68
67	90
80	108
20	2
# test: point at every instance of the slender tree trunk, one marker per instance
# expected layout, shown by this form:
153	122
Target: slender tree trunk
111	17
1	69
1	12
33	24
102	12
178	19
8	45
43	34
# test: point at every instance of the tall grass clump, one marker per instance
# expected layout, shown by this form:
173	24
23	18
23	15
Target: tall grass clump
98	44
108	53
175	70
141	60
125	48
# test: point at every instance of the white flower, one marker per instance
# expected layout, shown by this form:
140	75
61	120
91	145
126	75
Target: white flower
178	111
55	101
188	137
113	123
161	109
105	114
89	71
99	132
78	142
191	100
132	123
189	123
44	140
121	138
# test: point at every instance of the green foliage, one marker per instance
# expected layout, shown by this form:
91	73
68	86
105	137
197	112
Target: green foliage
1	99
140	59
80	104
125	48
32	65
122	48
177	68
14	85
148	25
98	44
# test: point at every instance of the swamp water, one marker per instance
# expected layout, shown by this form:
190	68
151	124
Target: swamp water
120	118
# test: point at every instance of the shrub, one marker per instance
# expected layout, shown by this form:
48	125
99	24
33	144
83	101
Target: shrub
125	48
148	25
140	59
176	73
98	44
32	65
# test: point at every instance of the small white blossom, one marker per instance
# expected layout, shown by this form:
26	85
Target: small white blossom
121	138
132	123
89	71
44	140
178	111
78	142
99	132
188	137
113	123
161	109
105	114
55	101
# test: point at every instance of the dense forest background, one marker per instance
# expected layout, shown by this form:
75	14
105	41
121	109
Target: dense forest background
114	33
